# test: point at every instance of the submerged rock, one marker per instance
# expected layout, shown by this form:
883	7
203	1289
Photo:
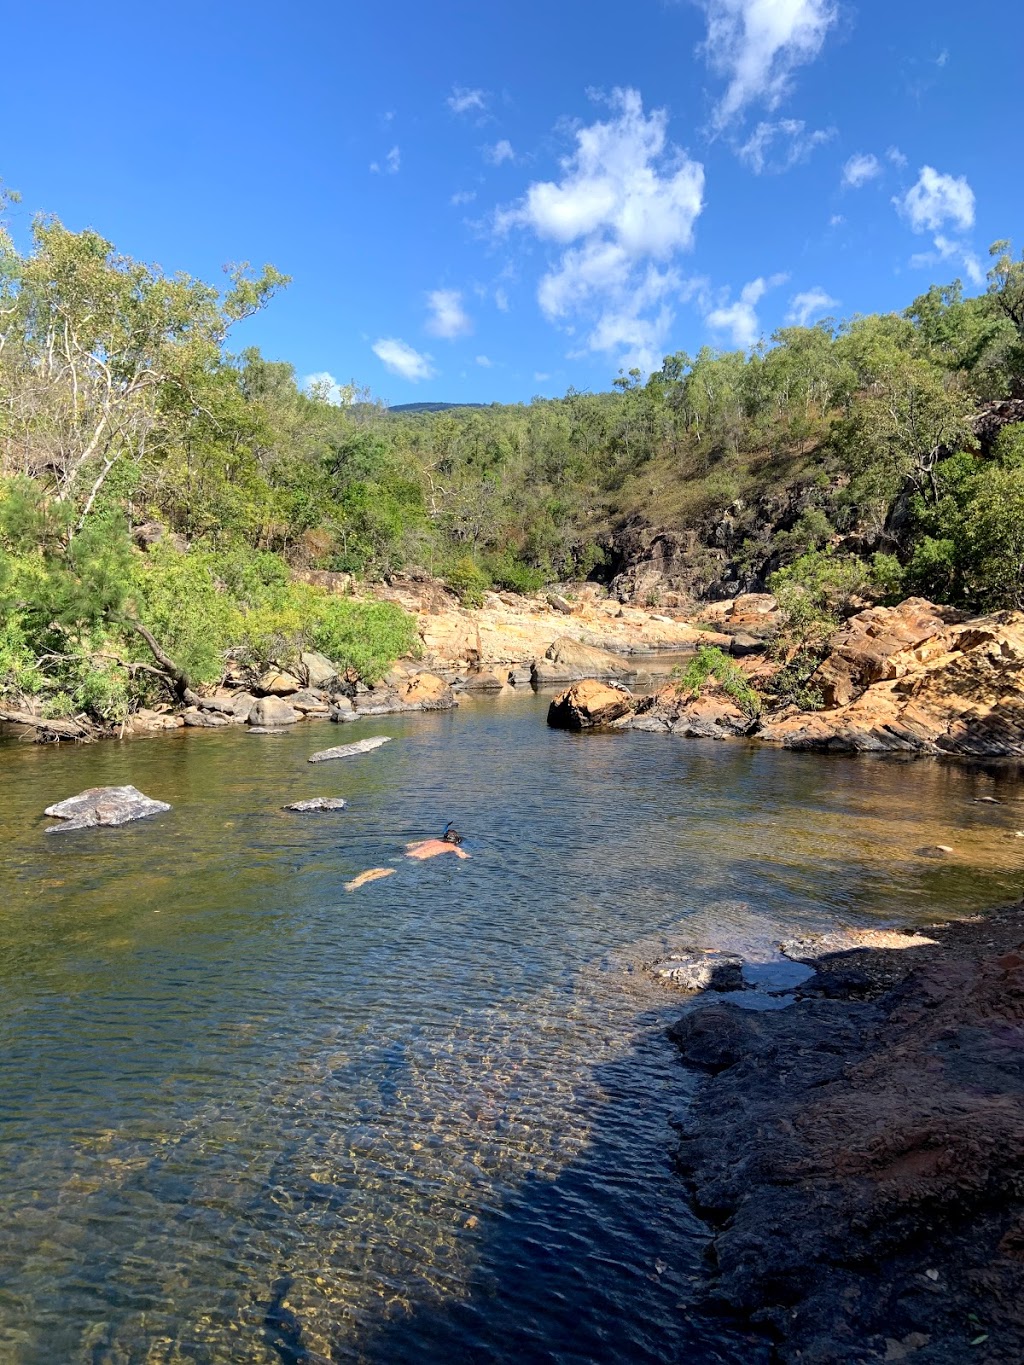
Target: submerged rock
702	971
319	803
587	704
361	746
103	806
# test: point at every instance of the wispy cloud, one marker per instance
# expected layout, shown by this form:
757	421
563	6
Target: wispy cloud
485	362
447	317
779	146
392	163
859	169
624	207
465	101
501	300
809	306
758	44
740	318
403	360
499	152
462	197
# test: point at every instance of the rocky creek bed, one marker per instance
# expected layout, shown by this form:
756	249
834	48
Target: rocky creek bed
860	1154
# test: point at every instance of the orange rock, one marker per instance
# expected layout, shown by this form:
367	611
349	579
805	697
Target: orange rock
587	704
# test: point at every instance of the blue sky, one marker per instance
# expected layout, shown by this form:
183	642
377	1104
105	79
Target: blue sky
482	203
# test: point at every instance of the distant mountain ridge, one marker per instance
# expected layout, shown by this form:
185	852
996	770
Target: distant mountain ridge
433	407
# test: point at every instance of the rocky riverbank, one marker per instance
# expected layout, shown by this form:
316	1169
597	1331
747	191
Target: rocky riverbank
915	678
860	1154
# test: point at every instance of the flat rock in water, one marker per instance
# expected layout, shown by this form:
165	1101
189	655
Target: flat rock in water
266	730
103	806
702	971
361	746
319	803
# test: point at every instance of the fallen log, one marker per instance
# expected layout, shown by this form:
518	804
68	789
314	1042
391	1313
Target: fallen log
48	728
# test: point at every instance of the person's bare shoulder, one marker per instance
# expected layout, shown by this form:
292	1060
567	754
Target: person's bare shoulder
430	848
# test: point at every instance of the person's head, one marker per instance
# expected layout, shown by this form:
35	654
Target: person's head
451	835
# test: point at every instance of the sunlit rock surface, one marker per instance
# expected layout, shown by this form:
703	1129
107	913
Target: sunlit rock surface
103	806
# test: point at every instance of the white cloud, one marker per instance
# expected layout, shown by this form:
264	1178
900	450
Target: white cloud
757	44
740	319
462	197
809	306
447	318
323	386
501	151
861	167
795	145
403	360
485	361
463	101
540	377
936	200
392	163
501	300
625	206
837	220
896	157
946	250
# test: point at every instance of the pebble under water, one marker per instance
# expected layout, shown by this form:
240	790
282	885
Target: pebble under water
246	1115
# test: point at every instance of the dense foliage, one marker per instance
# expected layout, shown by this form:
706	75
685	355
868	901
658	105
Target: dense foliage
845	459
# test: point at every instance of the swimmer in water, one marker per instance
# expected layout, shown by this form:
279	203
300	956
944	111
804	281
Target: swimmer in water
448	843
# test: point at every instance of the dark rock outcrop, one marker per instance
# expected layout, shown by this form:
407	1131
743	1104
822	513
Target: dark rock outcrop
861	1153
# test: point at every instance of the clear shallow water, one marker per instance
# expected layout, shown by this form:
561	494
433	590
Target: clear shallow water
247	1116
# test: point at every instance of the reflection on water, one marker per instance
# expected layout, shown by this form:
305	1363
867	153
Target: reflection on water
246	1116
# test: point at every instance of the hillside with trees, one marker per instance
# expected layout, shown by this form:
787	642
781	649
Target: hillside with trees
160	492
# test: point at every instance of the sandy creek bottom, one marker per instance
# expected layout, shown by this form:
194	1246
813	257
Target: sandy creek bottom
247	1116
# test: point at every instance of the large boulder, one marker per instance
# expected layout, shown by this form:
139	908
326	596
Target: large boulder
276	683
318	669
483	680
103	806
309	703
568	660
587	704
205	720
269	712
427	692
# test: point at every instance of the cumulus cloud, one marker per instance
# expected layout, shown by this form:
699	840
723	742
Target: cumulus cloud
323	386
403	360
499	152
936	200
861	167
809	306
392	163
896	157
464	101
940	204
757	44
739	318
776	147
624	207
447	318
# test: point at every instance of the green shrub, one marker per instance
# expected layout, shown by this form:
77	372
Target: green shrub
468	581
710	662
507	570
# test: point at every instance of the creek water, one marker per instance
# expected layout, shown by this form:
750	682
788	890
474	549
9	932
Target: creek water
246	1115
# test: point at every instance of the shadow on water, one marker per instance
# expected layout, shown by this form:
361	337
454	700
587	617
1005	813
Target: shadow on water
603	1263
